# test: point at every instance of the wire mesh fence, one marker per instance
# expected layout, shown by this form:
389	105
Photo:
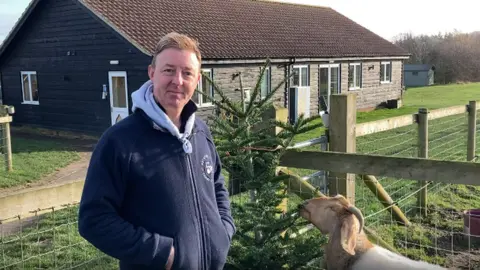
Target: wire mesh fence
399	142
48	239
443	235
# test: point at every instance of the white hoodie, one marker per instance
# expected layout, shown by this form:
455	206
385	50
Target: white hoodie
143	99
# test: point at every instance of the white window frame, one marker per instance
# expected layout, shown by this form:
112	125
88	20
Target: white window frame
355	79
200	86
268	76
28	73
300	76
384	66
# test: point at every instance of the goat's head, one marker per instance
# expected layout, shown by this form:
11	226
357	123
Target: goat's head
326	213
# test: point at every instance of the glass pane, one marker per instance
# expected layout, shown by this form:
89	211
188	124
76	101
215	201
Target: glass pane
334	81
207	88
323	88
389	72
119	95
296	77
304	75
264	86
351	70
34	86
26	88
196	95
382	71
358	77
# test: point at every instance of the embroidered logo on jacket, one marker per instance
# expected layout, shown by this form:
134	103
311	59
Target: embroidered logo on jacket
207	168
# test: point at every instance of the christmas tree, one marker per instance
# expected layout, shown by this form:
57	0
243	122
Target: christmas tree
250	152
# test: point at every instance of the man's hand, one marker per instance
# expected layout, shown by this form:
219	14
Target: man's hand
170	259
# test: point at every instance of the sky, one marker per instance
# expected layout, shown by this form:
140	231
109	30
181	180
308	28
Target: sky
386	20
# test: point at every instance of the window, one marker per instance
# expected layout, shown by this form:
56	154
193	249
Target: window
204	86
354	76
385	72
300	76
29	87
266	86
415	73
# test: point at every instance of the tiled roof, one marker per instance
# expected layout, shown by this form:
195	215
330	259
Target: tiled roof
239	29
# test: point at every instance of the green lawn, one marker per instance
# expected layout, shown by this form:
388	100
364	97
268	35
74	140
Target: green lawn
34	158
431	97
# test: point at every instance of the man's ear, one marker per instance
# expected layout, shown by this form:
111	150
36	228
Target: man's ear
348	234
151	72
199	76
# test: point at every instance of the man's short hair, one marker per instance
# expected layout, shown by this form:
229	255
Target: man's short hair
177	41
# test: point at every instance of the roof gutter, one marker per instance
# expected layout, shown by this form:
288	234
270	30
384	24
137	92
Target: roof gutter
304	59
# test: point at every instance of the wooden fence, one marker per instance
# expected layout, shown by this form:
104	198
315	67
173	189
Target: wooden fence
5	139
344	163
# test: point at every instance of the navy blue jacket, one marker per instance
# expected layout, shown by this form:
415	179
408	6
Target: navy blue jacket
143	194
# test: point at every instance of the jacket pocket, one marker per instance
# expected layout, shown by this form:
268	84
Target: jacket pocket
219	244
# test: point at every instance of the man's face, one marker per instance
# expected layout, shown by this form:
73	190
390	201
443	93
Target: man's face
175	76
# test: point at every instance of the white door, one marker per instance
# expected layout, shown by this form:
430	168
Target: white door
118	95
329	83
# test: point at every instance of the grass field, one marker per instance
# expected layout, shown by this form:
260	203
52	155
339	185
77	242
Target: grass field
432	97
53	242
33	159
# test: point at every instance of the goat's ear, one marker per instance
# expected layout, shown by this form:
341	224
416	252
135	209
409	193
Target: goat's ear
348	235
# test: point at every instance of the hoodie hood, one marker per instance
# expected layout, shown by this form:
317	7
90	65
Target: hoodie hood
143	99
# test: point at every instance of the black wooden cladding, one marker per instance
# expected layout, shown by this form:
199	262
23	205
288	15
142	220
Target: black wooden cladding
70	49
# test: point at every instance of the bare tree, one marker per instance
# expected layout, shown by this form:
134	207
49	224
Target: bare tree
455	55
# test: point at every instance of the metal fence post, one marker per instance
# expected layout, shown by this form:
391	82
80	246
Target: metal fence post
472	129
422	121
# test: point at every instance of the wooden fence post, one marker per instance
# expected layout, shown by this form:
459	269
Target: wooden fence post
5	137
342	138
8	144
472	130
422	121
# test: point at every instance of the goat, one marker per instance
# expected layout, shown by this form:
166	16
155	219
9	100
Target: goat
348	246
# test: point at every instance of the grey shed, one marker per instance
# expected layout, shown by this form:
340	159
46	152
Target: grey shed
419	74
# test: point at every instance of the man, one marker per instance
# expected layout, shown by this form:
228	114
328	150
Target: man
154	196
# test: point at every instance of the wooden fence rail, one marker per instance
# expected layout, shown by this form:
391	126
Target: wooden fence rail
453	172
406	120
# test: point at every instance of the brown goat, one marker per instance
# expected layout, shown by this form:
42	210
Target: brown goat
348	246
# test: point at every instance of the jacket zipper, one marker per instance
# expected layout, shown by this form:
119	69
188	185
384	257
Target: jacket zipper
197	203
